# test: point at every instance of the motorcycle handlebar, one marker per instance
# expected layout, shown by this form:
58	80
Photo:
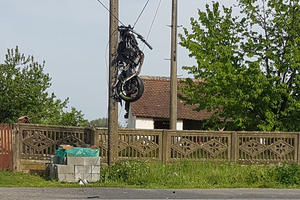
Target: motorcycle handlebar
138	35
143	40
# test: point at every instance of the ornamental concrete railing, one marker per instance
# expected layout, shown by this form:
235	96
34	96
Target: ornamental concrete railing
169	146
32	145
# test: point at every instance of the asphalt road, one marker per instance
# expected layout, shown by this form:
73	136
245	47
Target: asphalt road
121	193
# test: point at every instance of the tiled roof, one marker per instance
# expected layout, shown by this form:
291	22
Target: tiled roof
155	102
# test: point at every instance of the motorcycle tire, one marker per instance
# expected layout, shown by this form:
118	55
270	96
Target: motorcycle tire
131	90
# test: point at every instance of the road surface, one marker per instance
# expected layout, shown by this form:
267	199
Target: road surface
121	193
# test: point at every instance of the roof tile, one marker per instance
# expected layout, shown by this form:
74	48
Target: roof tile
155	102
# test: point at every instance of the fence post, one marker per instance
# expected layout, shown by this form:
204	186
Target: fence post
16	151
298	148
95	137
234	147
165	146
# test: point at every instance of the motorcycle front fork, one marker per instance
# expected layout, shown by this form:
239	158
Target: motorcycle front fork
127	106
118	99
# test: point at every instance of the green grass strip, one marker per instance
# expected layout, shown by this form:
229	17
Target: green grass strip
135	174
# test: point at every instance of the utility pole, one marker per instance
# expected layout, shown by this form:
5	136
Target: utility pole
112	153
173	73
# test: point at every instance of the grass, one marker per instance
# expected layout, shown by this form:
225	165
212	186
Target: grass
18	179
184	174
201	175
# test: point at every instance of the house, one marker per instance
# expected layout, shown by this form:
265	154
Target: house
151	111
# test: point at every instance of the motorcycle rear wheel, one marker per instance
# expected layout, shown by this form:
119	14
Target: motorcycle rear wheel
131	90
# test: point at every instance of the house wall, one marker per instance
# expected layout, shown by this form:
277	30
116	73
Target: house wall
179	125
148	123
144	123
139	122
131	121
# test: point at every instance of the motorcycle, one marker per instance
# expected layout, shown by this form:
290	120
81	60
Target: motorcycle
129	60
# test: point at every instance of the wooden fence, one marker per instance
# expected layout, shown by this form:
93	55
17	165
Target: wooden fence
5	147
33	145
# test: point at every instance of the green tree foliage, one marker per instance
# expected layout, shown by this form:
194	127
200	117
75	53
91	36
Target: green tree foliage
23	91
247	68
101	122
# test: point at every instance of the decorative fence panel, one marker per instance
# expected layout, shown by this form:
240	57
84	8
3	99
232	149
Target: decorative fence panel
38	142
267	147
166	145
134	144
140	144
102	142
33	145
199	145
6	162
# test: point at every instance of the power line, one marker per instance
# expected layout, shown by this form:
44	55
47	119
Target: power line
141	13
155	15
110	12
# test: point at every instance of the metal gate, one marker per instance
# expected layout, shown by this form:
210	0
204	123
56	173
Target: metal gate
5	147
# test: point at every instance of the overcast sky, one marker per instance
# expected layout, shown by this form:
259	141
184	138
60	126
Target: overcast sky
72	37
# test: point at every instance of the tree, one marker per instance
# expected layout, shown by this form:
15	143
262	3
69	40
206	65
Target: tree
23	91
247	69
101	122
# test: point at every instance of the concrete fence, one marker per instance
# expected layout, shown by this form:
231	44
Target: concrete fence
32	145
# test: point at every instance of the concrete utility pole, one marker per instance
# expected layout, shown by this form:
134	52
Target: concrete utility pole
112	104
173	75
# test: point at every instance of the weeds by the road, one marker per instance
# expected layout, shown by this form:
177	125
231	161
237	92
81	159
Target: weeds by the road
176	175
201	175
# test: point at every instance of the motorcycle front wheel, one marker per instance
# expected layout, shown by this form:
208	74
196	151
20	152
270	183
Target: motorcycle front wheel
131	90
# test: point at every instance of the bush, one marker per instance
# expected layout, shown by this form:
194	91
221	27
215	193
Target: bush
129	172
259	176
287	174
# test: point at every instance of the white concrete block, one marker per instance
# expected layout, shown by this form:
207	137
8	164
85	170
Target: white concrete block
75	160
83	169
61	177
80	176
88	177
65	177
92	161
65	169
95	169
95	177
69	177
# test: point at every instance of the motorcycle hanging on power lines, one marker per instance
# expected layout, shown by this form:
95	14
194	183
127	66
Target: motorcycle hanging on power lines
129	86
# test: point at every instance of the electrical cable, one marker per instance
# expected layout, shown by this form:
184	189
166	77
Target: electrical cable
106	61
141	13
107	68
110	12
151	26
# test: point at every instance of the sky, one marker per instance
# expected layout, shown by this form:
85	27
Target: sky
71	36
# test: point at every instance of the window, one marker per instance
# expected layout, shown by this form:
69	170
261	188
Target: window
161	124
192	125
